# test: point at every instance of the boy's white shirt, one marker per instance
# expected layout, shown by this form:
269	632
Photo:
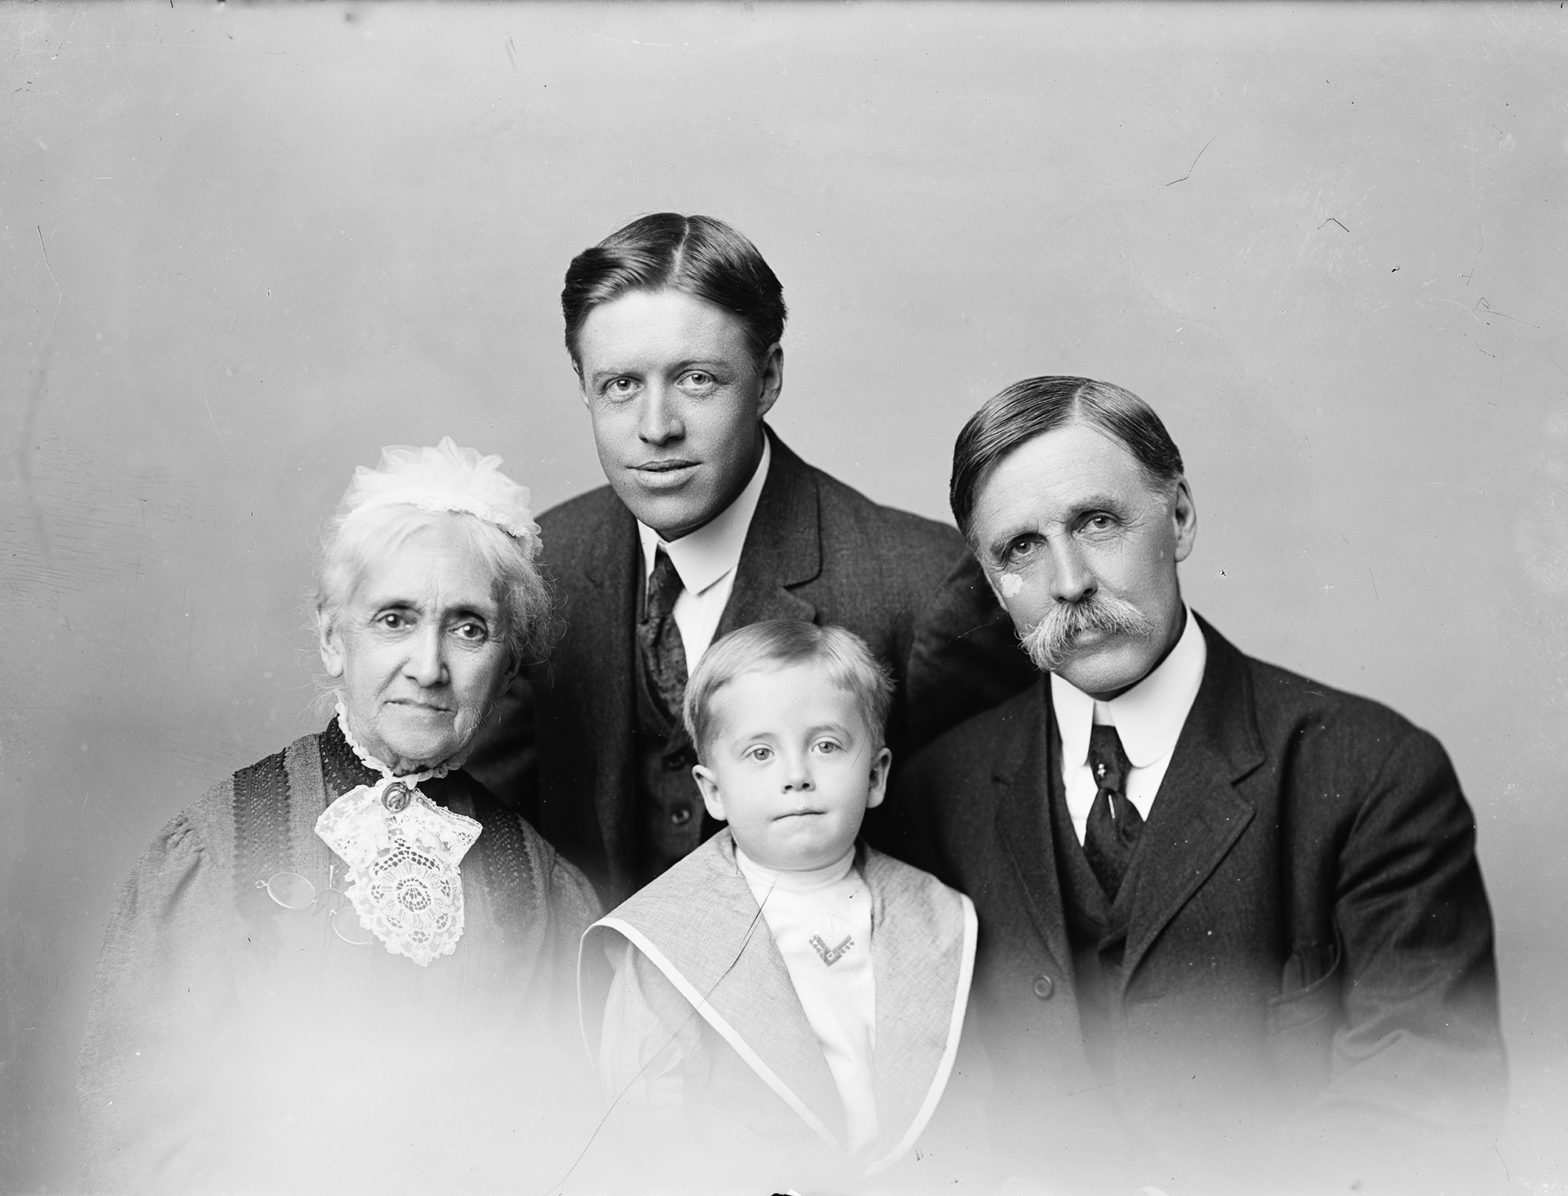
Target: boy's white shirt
821	921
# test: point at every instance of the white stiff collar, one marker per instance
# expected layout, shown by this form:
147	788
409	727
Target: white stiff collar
1148	717
808	881
704	556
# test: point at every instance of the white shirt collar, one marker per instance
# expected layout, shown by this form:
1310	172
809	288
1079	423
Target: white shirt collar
1148	717
764	879
704	556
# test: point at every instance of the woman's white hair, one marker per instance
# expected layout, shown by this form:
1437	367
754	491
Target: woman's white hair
454	490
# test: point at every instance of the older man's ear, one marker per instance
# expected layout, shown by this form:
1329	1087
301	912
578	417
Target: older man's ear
1184	519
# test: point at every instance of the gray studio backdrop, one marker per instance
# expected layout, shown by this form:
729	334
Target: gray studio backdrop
242	248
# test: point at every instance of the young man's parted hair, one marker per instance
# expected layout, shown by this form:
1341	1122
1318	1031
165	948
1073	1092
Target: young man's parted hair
701	256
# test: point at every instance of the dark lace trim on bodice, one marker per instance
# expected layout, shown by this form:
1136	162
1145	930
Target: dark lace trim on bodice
261	836
341	769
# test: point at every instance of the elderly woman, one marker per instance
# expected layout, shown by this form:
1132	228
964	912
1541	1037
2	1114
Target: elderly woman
347	966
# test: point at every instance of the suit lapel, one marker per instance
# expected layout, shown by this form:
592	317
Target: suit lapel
1199	812
783	547
1023	817
601	627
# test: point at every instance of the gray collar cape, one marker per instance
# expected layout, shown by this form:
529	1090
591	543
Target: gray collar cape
700	925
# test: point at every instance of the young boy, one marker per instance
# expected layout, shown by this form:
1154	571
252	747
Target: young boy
782	990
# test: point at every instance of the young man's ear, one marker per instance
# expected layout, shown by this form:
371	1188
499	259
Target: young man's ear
771	369
330	643
710	791
879	770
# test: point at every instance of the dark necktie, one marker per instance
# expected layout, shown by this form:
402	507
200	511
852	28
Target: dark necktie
662	651
1114	822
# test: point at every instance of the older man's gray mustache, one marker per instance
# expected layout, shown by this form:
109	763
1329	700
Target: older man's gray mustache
1051	641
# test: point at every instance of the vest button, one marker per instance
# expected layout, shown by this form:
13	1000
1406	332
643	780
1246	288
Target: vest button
681	815
1043	988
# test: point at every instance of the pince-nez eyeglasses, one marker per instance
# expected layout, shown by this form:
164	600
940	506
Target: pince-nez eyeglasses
294	891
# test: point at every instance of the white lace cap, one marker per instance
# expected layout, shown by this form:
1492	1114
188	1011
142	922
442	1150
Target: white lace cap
444	478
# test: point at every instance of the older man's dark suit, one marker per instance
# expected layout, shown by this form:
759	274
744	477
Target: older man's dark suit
1308	940
816	550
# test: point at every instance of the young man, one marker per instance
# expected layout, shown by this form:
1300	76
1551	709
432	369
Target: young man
709	523
791	1003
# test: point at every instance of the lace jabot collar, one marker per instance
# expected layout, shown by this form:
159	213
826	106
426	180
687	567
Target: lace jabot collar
402	852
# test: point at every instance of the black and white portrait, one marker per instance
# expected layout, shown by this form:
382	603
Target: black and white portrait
245	247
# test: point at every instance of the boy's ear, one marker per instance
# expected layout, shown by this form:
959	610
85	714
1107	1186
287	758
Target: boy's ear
879	769
710	791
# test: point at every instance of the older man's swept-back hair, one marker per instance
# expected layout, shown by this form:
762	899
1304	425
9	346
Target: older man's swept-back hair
699	255
1038	405
775	644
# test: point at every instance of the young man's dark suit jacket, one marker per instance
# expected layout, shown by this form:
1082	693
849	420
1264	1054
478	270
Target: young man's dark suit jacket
816	550
1309	942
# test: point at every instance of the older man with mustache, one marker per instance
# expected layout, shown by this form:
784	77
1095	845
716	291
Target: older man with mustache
1233	931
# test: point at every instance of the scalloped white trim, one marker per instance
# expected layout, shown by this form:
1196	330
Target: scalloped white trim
370	762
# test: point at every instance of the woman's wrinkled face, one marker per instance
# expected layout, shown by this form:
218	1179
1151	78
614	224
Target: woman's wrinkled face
420	650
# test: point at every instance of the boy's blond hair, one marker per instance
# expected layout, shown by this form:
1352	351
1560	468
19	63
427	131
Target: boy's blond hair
776	644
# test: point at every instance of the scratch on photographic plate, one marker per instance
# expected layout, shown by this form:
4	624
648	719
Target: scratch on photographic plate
1194	165
1485	306
1469	310
207	402
1481	238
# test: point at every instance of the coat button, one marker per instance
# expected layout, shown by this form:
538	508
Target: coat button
680	816
1043	988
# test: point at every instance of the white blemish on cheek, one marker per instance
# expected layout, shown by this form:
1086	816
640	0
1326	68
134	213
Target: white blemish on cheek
1009	584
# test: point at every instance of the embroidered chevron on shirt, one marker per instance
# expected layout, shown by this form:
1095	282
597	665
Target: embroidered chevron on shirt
831	955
